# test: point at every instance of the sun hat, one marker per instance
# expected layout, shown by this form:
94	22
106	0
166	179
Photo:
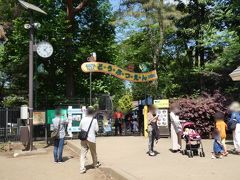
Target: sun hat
234	107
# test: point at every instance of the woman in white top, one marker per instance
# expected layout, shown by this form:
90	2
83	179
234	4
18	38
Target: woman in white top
176	129
151	119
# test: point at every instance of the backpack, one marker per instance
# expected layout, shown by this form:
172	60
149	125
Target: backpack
233	124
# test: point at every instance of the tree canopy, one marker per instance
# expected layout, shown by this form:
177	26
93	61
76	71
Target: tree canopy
193	46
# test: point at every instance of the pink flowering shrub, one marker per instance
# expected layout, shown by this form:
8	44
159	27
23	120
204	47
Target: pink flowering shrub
201	110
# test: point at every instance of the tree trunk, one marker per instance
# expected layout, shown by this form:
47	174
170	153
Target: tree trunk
69	70
70	88
196	55
71	12
161	32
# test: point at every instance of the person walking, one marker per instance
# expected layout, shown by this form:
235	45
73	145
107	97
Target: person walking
152	129
89	124
58	124
176	129
218	147
118	116
221	126
234	125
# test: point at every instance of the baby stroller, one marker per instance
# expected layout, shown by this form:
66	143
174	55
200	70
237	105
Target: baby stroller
193	140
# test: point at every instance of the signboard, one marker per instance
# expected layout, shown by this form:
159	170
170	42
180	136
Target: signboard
74	118
118	72
51	115
162	103
162	117
39	117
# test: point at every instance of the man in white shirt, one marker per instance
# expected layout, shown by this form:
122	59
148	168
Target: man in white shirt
90	143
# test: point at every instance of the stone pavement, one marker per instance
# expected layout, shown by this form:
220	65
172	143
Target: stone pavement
127	156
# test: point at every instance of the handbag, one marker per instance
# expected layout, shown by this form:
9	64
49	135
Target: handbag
55	133
83	135
233	124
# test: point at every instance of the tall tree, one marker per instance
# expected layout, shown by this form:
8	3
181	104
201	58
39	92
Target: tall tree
91	31
152	12
72	12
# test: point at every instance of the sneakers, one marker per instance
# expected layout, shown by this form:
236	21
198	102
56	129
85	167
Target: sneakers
83	171
151	153
97	165
213	157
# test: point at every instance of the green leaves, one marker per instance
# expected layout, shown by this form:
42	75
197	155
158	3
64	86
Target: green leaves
91	31
125	103
13	100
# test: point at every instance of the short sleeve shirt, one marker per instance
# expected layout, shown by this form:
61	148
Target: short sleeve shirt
222	126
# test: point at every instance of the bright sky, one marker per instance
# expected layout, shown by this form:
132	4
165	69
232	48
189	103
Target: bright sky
116	3
121	35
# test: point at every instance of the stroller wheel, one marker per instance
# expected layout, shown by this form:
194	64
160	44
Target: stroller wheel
202	154
192	154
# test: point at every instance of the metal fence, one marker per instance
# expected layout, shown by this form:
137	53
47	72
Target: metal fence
9	124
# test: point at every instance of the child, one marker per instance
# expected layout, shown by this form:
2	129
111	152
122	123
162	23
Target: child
222	127
218	149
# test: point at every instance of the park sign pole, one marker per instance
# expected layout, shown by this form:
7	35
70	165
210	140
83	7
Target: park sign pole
92	58
31	8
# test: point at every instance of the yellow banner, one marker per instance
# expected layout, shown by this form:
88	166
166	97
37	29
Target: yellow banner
118	72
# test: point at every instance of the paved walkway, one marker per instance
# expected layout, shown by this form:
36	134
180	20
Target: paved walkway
41	167
127	156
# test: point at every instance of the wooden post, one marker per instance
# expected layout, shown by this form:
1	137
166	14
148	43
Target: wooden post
145	111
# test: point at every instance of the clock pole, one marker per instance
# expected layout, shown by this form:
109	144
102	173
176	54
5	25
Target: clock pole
30	98
31	26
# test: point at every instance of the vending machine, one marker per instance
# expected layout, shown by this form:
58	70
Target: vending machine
75	116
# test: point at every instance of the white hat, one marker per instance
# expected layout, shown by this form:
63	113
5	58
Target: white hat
234	107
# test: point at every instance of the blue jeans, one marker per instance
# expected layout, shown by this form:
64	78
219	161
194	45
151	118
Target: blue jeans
58	149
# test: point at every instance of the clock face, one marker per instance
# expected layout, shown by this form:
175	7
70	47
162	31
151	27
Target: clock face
44	49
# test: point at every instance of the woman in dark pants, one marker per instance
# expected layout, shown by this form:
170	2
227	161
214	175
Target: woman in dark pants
151	129
58	143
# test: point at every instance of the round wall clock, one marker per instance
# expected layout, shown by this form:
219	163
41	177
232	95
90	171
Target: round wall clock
44	49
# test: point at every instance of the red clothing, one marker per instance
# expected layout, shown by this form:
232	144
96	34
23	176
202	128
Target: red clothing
118	115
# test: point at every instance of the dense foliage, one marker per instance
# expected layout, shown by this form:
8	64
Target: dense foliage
200	45
58	79
125	103
201	110
194	46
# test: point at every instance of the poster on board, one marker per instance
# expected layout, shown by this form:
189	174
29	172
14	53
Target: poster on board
162	117
39	117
